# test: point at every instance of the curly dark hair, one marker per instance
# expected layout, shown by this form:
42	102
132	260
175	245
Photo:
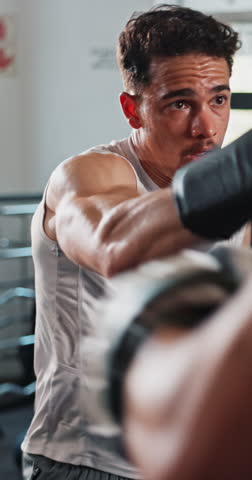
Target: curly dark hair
170	30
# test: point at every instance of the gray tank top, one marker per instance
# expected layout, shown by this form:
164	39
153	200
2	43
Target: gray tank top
67	303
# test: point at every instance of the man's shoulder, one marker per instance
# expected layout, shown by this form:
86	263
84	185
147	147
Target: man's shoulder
115	146
100	161
89	173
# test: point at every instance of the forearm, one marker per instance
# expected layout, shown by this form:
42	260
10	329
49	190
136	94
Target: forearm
142	229
77	226
118	230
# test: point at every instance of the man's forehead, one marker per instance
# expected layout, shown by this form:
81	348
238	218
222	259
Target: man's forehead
188	65
197	57
188	72
191	92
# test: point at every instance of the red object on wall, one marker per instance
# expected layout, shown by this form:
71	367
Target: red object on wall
7	47
5	61
2	30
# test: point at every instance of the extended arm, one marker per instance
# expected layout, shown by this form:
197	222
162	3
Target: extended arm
100	221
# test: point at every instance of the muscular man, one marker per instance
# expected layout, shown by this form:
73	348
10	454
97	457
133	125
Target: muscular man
109	209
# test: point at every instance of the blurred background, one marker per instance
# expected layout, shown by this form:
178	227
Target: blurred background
59	89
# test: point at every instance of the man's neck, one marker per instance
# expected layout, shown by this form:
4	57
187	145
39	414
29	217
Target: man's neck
158	177
161	179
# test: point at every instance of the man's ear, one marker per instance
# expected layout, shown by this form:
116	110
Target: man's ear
129	106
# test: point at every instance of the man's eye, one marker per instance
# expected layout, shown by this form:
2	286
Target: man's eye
179	104
220	99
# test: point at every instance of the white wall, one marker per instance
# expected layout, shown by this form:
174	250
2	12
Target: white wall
11	168
214	5
64	97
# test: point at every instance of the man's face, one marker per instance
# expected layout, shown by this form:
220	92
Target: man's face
184	111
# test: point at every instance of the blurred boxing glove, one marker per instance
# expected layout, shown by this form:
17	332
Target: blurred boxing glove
214	195
180	291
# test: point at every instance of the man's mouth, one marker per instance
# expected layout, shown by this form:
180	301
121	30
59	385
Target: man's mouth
197	152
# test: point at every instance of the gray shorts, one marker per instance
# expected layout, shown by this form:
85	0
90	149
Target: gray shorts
42	468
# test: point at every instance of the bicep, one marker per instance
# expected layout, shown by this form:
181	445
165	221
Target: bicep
89	175
78	221
82	193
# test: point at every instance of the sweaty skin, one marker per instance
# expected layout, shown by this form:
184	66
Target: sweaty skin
93	209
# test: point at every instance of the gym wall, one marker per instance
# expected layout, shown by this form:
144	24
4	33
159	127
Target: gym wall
62	96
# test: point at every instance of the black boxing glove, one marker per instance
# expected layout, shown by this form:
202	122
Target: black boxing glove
214	195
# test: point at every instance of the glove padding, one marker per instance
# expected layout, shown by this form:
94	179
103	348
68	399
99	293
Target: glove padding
214	195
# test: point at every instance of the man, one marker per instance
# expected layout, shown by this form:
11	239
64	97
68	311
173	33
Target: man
108	209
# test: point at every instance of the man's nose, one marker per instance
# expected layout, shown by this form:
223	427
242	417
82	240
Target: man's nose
203	124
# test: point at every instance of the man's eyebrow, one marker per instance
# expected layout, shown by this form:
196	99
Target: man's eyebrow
182	92
189	92
220	88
